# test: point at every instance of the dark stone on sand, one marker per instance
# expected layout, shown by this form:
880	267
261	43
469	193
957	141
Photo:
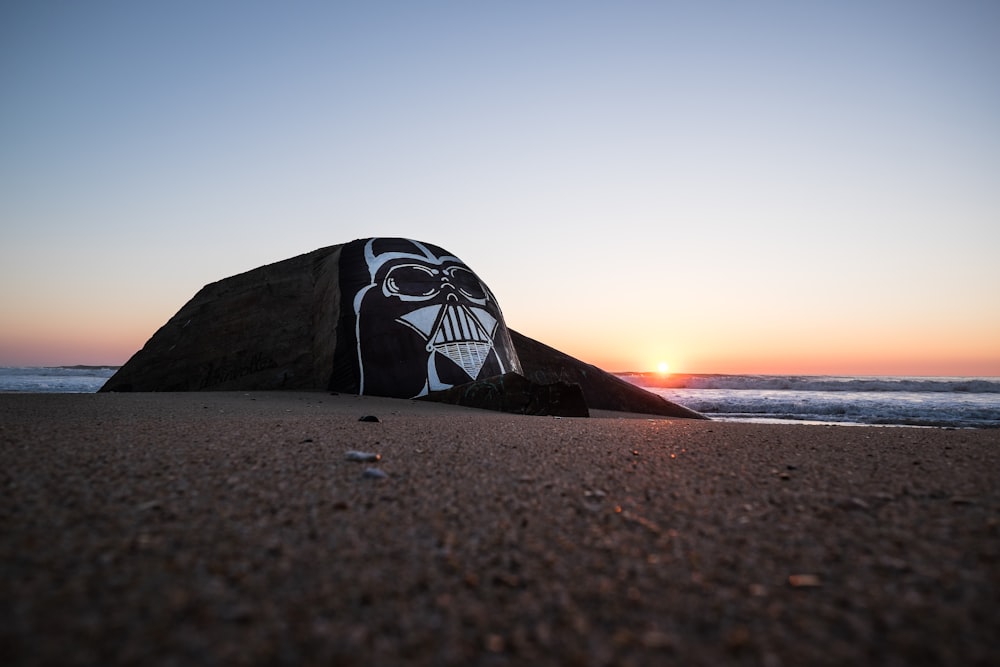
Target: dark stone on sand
296	325
516	394
363	457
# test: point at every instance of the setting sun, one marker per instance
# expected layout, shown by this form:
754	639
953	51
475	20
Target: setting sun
663	367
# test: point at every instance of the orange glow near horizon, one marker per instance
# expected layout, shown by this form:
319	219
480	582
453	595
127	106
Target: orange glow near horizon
918	358
112	338
957	366
95	342
52	348
90	342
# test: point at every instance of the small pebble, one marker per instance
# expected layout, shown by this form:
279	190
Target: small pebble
738	638
369	418
374	473
853	504
892	563
803	581
656	639
494	643
363	457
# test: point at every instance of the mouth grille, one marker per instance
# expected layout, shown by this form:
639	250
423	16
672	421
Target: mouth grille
461	338
457	325
470	357
464	335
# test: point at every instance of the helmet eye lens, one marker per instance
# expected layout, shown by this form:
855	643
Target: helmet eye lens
411	281
466	282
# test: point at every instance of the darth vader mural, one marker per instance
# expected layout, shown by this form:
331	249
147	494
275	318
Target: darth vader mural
421	321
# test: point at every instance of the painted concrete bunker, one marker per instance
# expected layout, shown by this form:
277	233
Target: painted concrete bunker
377	316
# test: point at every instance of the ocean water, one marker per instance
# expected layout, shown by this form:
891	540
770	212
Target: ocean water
959	402
887	401
62	379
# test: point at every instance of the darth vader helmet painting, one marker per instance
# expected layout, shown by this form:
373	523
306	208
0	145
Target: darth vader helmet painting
422	320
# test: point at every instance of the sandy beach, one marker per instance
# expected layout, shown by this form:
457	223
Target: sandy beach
231	528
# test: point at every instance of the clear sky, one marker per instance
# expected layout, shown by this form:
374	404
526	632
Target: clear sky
772	187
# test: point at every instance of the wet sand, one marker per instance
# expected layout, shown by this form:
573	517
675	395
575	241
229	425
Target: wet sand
229	528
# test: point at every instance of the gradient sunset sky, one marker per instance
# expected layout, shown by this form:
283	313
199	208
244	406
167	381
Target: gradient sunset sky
770	187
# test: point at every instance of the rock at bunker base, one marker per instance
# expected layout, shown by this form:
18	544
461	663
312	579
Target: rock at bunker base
516	394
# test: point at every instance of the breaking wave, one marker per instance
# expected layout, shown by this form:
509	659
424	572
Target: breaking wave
987	385
900	401
54	379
